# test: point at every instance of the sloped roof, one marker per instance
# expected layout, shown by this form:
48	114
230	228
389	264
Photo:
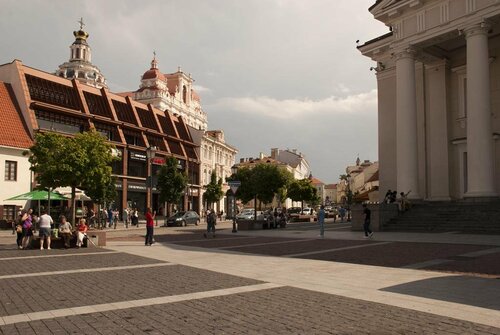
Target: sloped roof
316	181
13	130
374	177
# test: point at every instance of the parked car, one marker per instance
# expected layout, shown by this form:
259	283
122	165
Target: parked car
248	214
308	211
183	219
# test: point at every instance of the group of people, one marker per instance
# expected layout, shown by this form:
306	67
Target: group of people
403	204
25	230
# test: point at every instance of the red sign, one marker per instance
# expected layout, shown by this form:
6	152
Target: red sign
158	161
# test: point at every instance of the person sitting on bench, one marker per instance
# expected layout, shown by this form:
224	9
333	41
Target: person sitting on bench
65	231
81	233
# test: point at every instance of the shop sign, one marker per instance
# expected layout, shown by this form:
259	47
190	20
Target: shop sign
158	161
138	156
136	187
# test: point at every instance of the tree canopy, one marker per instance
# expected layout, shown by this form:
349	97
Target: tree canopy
302	190
83	161
171	182
213	190
261	182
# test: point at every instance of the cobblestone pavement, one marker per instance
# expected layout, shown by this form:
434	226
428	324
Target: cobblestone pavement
275	311
159	297
440	256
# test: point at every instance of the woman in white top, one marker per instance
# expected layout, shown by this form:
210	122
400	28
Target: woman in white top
45	223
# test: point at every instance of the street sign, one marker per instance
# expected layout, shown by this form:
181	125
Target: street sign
234	185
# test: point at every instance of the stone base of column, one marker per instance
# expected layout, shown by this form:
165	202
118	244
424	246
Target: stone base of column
481	195
438	199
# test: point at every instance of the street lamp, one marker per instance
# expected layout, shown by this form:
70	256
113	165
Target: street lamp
150	154
234	184
349	198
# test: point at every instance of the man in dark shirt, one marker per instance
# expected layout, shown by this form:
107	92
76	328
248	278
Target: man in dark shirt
366	226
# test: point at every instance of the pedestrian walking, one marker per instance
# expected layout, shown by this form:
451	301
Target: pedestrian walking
366	226
44	232
27	228
211	220
342	214
65	229
19	231
125	217
321	221
149	227
135	218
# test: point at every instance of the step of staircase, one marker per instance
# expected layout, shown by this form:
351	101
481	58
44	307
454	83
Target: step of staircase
461	216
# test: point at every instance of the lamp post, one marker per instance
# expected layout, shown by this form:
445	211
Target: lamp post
150	154
234	184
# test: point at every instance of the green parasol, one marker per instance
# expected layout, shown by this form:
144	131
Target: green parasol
39	195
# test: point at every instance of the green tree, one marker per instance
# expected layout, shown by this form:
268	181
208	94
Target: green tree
83	161
171	183
262	183
213	191
302	190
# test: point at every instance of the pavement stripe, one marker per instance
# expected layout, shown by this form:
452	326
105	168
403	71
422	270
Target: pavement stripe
481	252
268	243
51	273
50	314
210	239
425	264
63	255
336	249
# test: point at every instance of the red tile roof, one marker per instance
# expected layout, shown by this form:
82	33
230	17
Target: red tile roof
316	181
13	130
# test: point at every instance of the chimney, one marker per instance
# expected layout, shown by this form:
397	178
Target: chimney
274	153
242	160
261	155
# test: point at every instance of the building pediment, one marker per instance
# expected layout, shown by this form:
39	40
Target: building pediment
385	9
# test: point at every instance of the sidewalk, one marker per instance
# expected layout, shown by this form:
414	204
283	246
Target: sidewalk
189	287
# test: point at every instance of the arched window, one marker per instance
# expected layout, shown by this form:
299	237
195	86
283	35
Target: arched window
184	93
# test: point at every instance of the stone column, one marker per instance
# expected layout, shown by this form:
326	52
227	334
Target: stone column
480	175
406	124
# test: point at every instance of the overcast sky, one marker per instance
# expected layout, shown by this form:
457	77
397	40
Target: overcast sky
270	73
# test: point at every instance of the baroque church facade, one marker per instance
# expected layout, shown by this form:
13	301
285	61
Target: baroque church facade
438	78
174	92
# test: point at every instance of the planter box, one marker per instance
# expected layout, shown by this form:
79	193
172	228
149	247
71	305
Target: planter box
251	224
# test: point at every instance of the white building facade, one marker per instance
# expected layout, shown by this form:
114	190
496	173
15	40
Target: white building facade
438	78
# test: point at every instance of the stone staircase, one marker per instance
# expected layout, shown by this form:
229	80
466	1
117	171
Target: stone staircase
455	216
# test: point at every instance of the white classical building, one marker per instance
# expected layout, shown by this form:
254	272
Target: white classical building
300	165
438	78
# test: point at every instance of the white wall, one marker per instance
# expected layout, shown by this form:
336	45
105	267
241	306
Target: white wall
10	189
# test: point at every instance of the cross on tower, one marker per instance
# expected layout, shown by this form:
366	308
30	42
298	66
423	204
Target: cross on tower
81	23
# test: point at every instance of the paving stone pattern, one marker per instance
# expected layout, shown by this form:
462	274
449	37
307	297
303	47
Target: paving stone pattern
35	265
397	254
275	311
36	294
10	250
299	247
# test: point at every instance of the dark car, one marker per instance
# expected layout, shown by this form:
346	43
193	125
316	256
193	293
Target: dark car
183	219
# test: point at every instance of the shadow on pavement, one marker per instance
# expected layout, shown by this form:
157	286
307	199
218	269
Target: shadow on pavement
472	291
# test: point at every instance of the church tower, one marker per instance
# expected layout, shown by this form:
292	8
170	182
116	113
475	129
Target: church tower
80	65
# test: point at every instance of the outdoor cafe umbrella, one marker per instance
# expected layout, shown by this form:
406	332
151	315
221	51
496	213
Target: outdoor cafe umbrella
39	195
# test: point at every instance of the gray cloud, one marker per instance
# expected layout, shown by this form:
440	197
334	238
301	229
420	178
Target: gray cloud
271	73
